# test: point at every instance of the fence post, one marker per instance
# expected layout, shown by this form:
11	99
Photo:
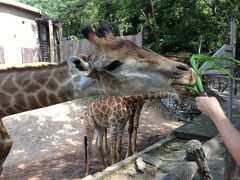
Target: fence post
233	51
231	168
51	39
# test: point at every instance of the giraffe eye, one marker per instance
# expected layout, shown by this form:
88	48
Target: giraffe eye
113	65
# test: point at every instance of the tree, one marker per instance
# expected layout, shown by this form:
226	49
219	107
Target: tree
175	25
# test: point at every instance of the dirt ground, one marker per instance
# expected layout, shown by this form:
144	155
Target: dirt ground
48	142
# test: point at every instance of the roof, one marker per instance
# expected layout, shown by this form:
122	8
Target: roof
22	6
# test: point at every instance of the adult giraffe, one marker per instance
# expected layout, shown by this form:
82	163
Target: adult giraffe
120	64
118	68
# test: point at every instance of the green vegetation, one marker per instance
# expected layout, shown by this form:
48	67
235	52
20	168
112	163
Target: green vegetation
198	59
174	25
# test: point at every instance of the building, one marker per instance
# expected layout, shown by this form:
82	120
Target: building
27	34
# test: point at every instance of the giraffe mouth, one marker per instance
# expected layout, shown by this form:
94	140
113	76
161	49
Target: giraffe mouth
185	79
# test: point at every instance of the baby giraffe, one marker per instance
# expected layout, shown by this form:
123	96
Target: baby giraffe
111	112
132	128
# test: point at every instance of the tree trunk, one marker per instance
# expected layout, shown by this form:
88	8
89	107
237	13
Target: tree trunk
194	152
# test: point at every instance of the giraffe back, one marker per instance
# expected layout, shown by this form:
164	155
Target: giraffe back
109	110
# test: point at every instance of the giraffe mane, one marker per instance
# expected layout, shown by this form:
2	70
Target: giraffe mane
40	67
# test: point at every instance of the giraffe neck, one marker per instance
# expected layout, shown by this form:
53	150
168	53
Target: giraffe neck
23	89
162	95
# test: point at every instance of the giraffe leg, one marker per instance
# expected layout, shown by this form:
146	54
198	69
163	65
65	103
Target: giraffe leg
96	140
130	131
105	141
5	144
88	139
136	123
135	139
119	141
114	134
100	133
119	148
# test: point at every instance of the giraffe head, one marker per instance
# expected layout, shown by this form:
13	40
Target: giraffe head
119	67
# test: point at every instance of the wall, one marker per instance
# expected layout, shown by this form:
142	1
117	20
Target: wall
18	35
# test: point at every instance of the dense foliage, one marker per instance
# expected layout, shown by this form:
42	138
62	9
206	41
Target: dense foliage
174	25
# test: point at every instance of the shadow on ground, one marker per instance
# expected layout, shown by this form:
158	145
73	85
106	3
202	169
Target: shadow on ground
48	142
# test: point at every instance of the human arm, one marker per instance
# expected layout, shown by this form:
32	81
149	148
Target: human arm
230	135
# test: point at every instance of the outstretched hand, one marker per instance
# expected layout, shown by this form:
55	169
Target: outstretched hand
209	106
230	135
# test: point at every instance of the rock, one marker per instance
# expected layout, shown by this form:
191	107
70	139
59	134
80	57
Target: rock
132	172
140	165
143	177
169	165
138	168
152	160
171	160
159	176
176	155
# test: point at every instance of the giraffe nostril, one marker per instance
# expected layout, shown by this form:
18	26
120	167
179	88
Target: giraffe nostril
182	67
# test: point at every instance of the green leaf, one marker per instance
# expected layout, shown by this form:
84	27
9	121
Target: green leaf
194	63
225	58
204	58
200	45
221	70
192	89
199	83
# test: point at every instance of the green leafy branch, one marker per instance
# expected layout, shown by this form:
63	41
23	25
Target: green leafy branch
197	59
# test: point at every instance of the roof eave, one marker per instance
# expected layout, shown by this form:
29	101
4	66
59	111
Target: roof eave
23	7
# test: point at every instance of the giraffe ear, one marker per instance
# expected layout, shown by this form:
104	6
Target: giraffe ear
84	57
77	64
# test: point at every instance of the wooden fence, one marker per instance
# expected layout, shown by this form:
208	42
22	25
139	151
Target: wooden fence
77	47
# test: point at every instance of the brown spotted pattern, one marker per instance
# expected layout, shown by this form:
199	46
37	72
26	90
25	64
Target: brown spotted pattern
23	89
